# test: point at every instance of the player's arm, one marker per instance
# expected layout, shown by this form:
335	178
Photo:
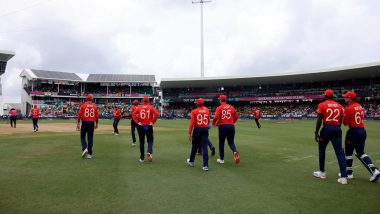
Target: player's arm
79	117
317	127
191	126
155	115
96	117
135	116
216	117
236	116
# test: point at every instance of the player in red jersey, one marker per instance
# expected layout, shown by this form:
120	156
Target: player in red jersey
35	113
198	132
116	120
256	115
13	117
89	115
133	124
356	136
330	113
225	118
145	116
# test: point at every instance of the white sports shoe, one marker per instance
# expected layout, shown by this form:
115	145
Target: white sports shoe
88	156
349	177
133	143
319	174
205	168
190	163
84	153
141	161
220	161
116	134
342	180
375	176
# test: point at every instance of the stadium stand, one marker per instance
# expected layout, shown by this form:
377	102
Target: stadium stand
290	95
59	94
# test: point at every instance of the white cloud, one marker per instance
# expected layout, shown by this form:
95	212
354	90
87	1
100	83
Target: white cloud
242	37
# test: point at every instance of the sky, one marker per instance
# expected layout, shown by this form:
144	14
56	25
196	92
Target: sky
162	37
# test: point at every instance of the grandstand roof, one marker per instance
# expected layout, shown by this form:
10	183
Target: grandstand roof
79	77
6	55
55	75
370	70
120	78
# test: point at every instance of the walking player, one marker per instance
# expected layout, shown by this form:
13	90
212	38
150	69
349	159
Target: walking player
116	120
356	136
35	112
225	118
13	117
257	115
133	124
330	112
89	115
145	116
198	132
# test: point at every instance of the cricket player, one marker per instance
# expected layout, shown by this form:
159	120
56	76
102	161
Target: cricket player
198	132
256	115
145	116
330	113
225	118
356	136
89	115
116	120
13	117
35	112
133	124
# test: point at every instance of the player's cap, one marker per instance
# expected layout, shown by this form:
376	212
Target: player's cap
200	101
350	94
222	97
89	97
328	93
135	102
145	99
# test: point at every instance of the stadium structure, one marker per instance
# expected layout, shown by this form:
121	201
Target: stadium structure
286	95
5	56
59	94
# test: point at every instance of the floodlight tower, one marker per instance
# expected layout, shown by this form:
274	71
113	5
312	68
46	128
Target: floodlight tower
4	57
201	2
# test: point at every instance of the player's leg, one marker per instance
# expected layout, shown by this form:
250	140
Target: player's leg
90	137
336	141
222	139
34	124
349	150
204	142
322	144
231	142
194	145
212	148
83	131
257	123
114	125
150	139
14	121
140	131
363	157
133	128
37	124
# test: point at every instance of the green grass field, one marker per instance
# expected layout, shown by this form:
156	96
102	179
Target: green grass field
43	173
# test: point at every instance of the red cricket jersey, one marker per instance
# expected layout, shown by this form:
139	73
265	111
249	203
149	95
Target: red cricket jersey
88	112
35	112
145	114
354	115
331	111
256	114
133	108
200	118
225	114
116	114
